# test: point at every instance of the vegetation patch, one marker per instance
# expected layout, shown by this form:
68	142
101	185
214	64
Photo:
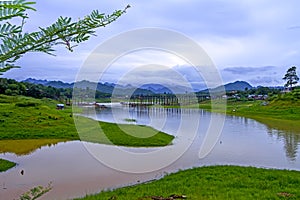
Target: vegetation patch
135	135
27	104
129	120
36	192
215	182
44	121
5	165
279	106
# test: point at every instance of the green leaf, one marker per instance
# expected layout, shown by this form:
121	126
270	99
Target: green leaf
7	29
14	44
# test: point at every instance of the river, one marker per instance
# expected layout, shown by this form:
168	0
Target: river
73	171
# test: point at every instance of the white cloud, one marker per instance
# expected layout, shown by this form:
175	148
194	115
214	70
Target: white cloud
234	33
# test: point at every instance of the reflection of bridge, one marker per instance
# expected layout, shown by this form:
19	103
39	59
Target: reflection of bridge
165	100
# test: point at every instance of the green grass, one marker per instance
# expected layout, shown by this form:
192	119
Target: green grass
28	118
283	110
215	182
278	114
275	110
5	165
122	134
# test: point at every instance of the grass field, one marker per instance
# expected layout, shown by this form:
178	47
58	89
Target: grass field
28	118
5	165
23	120
215	182
274	113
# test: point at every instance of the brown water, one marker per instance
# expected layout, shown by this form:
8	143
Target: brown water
24	147
74	172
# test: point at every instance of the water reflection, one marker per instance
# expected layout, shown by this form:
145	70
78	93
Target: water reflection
288	132
25	147
291	141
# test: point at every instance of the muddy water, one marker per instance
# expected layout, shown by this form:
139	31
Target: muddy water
74	172
25	147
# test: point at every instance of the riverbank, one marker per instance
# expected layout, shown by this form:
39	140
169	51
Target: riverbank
214	182
24	118
29	118
282	115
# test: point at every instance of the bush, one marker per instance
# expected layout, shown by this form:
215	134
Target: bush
27	104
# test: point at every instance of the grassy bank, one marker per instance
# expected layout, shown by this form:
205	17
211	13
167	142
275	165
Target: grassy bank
275	110
286	112
29	118
5	165
215	182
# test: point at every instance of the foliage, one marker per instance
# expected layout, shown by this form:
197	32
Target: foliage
291	77
215	182
292	97
35	192
15	43
5	165
12	87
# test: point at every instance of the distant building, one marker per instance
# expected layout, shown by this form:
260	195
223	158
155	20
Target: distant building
257	97
60	106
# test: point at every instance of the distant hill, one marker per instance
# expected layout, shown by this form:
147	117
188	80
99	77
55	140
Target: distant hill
56	84
236	86
156	88
35	81
108	88
146	89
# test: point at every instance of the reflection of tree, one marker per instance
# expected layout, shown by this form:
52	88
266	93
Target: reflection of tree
291	145
291	141
287	131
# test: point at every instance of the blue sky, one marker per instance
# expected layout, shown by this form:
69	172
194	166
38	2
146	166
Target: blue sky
255	41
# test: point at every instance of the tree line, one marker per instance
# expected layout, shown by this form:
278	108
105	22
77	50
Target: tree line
12	87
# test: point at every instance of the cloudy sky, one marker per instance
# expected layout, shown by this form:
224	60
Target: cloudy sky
251	40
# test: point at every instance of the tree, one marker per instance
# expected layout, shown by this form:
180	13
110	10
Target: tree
14	43
291	77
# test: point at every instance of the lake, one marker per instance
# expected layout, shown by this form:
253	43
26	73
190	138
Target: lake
74	171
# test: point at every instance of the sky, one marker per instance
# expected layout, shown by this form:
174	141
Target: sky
250	40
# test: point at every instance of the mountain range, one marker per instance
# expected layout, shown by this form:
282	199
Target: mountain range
146	89
236	86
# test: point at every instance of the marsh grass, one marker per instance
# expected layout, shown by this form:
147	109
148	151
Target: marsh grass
5	165
288	112
36	192
215	182
39	119
135	135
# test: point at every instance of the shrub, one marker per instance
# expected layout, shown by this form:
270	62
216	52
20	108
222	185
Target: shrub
27	104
